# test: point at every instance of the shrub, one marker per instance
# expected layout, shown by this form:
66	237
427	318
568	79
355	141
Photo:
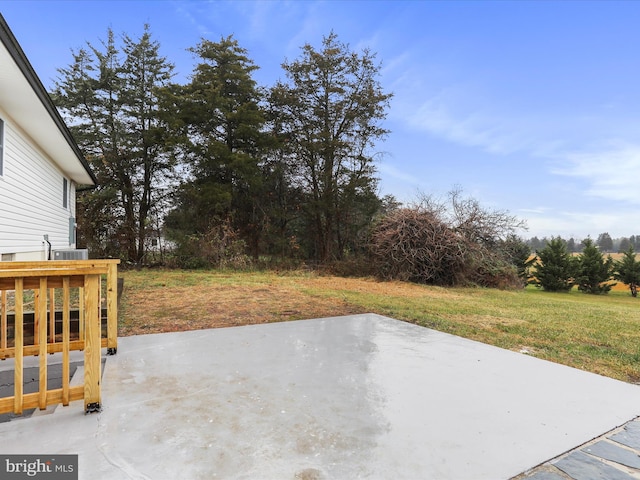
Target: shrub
627	270
594	271
449	244
414	244
555	269
219	247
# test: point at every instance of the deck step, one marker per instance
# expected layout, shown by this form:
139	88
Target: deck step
76	380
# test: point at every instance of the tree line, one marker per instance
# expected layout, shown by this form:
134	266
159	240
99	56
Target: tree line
227	169
232	173
604	242
556	269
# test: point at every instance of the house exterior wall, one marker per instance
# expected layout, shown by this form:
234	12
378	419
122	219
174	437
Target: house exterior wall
31	199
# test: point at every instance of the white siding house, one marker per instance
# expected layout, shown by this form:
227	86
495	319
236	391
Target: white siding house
40	164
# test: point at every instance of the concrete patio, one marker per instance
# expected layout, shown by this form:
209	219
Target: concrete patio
362	396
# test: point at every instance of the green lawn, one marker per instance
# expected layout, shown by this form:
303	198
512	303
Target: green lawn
596	333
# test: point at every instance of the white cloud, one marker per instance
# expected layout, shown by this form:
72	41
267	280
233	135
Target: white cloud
397	174
534	211
570	147
185	11
310	27
457	115
611	173
573	146
619	222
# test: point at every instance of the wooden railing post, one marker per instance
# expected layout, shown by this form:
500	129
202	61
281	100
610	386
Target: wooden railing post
92	344
18	345
81	319
66	337
3	319
52	315
41	307
36	316
112	309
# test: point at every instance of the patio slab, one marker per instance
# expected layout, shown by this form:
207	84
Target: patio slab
361	396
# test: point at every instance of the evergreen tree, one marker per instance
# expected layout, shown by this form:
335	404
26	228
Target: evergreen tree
555	269
221	132
605	242
331	111
627	270
517	253
624	245
285	197
594	271
109	96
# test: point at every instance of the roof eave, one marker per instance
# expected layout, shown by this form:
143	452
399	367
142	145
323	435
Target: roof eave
17	54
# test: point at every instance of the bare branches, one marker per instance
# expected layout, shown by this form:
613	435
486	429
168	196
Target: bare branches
446	243
481	225
413	244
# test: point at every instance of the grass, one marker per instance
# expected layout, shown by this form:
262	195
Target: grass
600	334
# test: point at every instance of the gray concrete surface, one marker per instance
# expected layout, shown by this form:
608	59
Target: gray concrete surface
361	396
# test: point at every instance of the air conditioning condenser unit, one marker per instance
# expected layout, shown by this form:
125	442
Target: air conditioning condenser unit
71	254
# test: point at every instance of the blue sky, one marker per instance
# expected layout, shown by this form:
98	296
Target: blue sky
531	107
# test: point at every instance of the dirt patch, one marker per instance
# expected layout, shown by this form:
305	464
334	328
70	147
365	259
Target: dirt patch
162	306
174	309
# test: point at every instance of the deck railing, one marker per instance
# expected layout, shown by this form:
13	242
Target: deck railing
55	290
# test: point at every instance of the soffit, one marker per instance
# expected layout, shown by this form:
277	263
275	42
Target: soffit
18	98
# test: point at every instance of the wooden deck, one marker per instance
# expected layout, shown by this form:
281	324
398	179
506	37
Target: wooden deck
48	287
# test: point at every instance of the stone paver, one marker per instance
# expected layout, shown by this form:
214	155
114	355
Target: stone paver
614	456
630	436
541	474
615	453
581	466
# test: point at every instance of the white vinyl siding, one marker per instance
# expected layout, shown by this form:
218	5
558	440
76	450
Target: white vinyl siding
30	203
1	145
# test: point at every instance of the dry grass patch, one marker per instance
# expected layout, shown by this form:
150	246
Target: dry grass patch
173	309
375	287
